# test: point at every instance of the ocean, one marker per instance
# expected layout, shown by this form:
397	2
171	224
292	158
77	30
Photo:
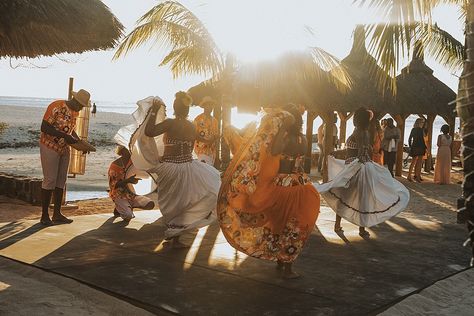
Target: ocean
238	119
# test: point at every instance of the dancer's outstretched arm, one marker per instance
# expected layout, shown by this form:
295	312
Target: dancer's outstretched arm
279	142
152	129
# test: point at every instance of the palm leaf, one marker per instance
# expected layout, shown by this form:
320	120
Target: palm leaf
329	63
442	46
172	27
409	20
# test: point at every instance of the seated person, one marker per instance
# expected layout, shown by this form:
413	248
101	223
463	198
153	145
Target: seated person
121	191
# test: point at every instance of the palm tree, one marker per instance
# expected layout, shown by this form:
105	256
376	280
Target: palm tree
409	21
192	50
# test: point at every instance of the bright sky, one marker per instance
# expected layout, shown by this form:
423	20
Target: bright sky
251	29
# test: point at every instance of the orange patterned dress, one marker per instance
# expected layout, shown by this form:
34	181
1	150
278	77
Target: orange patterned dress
377	153
207	127
261	212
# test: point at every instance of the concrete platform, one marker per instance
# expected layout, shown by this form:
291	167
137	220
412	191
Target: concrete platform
27	290
342	275
450	296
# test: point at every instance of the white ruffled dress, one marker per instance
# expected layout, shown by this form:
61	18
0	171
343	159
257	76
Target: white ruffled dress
187	191
364	194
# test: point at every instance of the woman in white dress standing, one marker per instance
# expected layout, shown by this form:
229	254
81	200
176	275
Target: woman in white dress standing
361	191
443	157
187	189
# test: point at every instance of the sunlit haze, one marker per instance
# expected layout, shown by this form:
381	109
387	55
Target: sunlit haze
251	30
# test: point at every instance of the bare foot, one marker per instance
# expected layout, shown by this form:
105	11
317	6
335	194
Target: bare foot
280	265
150	205
178	244
363	233
288	272
338	229
46	221
290	275
61	219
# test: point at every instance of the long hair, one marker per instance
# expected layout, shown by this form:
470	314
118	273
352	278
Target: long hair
181	104
419	123
296	128
374	129
361	132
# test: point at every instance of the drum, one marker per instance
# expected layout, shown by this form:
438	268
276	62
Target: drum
144	186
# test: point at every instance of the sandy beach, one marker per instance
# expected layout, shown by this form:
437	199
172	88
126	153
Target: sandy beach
19	154
19	151
24	126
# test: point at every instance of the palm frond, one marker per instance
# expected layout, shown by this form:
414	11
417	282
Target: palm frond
331	64
171	26
442	46
388	44
403	11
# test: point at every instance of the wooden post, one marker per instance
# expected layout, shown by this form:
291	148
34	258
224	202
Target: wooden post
71	86
429	161
218	117
328	118
226	120
400	119
343	117
310	117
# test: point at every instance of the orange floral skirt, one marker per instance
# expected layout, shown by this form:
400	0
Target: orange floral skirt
276	226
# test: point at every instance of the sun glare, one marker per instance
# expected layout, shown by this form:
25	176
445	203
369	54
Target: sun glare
264	29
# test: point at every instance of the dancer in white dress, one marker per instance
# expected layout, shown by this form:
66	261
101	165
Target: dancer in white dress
361	191
187	189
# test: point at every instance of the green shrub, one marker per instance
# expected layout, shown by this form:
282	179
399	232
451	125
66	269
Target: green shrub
3	127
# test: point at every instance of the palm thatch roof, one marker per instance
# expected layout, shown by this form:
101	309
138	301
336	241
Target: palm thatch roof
292	78
45	28
420	92
207	88
368	87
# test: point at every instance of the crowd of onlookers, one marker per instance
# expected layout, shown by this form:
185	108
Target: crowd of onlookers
385	137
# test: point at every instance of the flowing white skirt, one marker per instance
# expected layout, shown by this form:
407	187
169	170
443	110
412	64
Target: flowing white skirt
364	194
187	195
187	192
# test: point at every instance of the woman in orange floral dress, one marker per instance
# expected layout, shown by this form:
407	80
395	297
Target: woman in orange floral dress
376	136
267	205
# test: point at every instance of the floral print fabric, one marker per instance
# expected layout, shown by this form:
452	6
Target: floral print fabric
206	127
261	212
62	118
117	173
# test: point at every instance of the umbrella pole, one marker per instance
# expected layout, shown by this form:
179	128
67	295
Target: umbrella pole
400	119
218	116
328	118
310	117
226	119
429	161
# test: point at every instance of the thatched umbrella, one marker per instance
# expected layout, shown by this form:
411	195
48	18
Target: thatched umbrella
208	88
45	28
419	92
369	81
